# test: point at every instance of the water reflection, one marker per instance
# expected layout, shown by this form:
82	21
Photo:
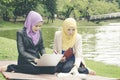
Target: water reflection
107	44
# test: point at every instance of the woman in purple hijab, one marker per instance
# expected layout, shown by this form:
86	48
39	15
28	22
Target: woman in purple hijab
30	47
33	20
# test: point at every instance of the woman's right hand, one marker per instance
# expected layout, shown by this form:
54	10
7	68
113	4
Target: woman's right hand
63	59
35	60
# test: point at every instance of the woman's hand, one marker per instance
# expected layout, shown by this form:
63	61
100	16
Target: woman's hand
35	60
63	59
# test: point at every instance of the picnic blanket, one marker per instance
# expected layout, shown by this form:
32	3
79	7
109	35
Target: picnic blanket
61	76
21	76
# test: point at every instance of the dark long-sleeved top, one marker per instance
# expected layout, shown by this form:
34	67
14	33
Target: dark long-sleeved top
26	49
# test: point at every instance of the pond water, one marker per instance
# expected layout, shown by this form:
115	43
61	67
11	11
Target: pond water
106	44
100	43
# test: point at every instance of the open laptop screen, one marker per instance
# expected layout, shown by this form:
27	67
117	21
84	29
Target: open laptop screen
49	59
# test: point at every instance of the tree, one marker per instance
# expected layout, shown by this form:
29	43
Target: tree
22	7
50	9
10	8
118	1
74	8
6	9
102	7
86	8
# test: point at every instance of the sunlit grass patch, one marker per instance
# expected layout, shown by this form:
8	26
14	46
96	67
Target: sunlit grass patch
104	69
8	49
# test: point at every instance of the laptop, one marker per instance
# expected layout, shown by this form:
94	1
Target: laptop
49	59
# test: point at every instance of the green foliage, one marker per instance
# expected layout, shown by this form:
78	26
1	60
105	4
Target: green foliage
24	6
118	1
50	9
102	7
40	9
64	8
82	7
6	9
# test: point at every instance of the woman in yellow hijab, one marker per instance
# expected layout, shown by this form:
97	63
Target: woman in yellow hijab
69	32
67	39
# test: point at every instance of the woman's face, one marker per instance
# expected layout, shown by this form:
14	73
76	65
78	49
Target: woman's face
70	31
37	27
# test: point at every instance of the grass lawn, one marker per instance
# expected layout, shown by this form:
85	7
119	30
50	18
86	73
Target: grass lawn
8	49
1	77
104	69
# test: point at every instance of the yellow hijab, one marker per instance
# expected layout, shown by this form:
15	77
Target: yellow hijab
67	40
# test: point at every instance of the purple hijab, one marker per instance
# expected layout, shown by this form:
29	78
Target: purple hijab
32	19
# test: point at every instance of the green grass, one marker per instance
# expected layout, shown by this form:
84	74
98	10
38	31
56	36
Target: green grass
1	77
8	49
6	24
104	69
